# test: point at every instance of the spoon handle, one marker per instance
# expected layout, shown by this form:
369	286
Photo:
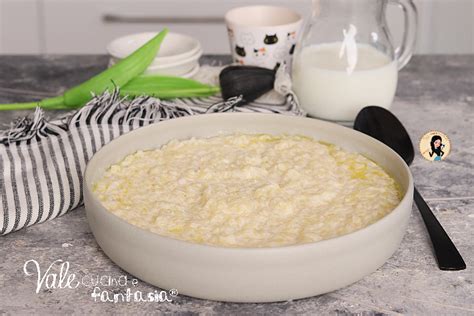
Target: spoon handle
446	253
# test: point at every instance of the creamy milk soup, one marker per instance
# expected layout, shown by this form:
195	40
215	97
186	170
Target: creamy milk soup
248	190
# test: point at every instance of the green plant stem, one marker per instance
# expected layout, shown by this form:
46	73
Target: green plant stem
56	103
170	93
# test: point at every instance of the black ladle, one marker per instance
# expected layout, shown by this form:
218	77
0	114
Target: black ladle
384	126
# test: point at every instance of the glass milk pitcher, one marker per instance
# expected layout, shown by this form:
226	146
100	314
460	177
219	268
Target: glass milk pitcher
345	59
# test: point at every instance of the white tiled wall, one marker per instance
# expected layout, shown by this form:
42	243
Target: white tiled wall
81	26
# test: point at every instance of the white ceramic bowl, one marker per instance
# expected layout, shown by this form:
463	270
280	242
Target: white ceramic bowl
186	69
247	274
174	48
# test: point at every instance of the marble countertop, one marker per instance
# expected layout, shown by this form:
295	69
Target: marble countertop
434	93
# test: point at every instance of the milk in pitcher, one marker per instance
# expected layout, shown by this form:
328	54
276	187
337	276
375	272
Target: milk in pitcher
327	89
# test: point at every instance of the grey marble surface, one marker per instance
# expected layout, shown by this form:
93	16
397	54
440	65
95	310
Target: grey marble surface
435	92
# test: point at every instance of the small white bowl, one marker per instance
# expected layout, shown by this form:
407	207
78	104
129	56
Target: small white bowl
175	47
247	274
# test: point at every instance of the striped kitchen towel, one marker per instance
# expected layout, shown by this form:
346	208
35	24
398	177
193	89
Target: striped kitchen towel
42	162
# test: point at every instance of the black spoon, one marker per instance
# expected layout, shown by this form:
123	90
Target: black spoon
384	126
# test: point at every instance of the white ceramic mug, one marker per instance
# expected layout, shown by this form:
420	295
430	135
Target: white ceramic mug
262	35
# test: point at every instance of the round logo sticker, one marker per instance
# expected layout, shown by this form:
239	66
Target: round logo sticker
435	146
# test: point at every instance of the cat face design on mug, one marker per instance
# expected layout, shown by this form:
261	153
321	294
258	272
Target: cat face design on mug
270	39
291	35
240	50
260	52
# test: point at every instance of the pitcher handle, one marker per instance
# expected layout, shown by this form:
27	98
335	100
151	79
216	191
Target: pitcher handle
405	50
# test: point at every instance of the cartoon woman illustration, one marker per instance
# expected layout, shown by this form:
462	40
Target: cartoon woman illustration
436	148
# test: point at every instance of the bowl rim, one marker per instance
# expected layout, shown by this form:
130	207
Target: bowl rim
87	185
232	16
112	50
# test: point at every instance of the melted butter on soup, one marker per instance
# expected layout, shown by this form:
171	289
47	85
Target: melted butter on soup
248	190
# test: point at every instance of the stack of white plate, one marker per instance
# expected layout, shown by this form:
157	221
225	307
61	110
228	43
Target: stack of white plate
178	55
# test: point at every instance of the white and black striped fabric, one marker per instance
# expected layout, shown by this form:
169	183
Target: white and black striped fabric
42	163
